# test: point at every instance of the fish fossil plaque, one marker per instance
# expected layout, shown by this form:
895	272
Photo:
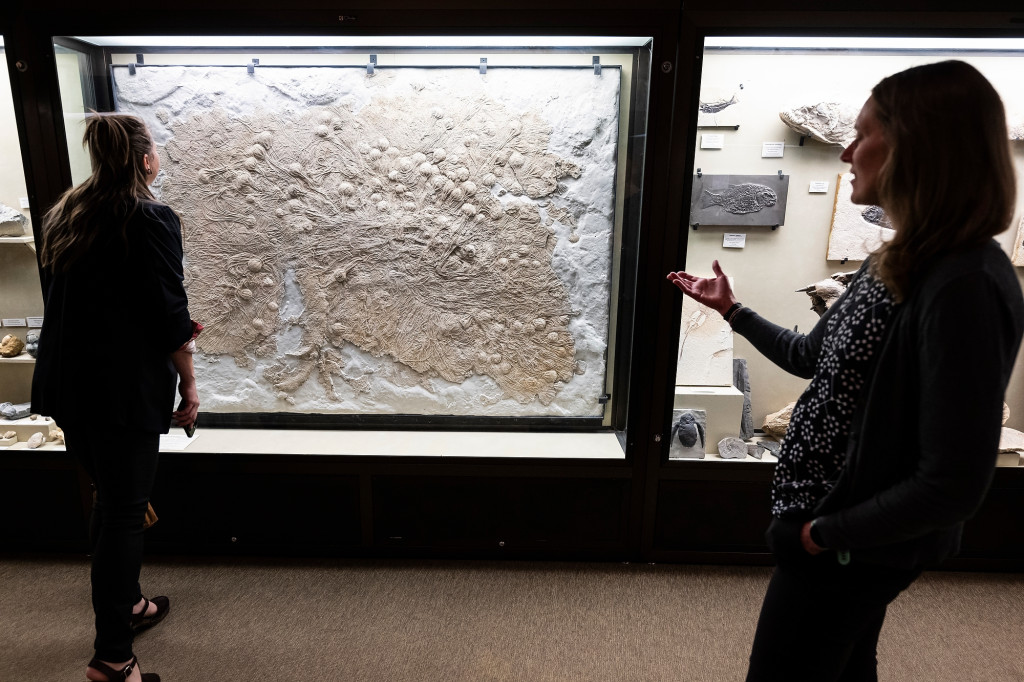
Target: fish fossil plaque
705	347
856	230
739	199
717	108
419	241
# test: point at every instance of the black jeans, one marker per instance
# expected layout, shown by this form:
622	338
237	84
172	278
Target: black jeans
123	468
820	619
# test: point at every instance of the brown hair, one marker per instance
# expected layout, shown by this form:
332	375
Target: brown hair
117	144
948	183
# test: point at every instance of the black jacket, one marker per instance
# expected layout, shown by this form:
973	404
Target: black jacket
924	439
110	324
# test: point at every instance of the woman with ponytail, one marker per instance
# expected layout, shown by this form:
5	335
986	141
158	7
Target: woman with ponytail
871	486
116	336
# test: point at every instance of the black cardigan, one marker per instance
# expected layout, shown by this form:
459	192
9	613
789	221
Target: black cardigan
109	326
924	439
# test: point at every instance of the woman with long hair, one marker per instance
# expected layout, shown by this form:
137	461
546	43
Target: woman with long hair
870	487
116	336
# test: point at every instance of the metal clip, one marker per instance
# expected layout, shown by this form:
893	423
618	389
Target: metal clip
696	226
371	65
250	68
131	68
483	66
780	175
597	66
604	398
699	174
139	59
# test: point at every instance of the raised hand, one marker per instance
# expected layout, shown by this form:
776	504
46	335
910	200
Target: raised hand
714	292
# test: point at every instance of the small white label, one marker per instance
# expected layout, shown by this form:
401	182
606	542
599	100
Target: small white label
35	321
712	141
14	322
818	187
23	201
732	240
772	150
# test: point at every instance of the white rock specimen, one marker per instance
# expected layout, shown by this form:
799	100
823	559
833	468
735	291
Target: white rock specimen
8	439
35	440
11	434
777	423
12	222
1011	440
11	411
11	346
57	436
732	448
824	293
1006	412
828	122
705	347
856	230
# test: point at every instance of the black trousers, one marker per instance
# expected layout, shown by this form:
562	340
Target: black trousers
123	468
820	620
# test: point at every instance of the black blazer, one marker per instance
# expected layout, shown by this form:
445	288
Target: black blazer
110	324
923	443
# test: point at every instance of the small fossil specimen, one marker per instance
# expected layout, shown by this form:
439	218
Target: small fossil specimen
35	440
828	122
876	216
746	198
11	346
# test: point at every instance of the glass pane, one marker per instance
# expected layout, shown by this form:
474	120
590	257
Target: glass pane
424	231
772	106
21	303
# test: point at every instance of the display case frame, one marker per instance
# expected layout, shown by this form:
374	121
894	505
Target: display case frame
642	507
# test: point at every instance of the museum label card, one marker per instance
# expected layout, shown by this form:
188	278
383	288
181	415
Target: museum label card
772	150
712	141
818	187
35	322
14	322
734	241
175	441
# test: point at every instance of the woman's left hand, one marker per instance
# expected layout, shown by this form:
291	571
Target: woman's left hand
807	542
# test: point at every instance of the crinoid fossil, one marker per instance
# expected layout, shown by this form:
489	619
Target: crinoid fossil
387	220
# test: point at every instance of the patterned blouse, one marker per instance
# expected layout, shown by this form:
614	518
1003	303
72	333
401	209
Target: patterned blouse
814	449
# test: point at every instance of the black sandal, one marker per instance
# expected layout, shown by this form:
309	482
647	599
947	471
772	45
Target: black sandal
140	621
123	674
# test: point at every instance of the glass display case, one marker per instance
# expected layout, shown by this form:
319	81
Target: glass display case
21	304
775	113
393	228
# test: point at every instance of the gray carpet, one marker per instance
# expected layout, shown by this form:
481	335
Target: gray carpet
475	621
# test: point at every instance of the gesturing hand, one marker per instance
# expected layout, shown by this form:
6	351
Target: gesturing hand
714	292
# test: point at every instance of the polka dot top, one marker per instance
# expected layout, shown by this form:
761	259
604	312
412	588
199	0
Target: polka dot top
814	449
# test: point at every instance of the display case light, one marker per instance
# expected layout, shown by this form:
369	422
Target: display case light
862	43
365	41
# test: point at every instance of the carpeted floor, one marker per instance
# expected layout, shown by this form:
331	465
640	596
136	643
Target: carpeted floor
420	621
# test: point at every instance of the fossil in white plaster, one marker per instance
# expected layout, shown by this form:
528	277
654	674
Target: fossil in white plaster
824	293
1018	246
1006	413
777	423
12	222
716	104
35	440
828	122
386	219
1015	126
856	231
1011	440
705	351
747	197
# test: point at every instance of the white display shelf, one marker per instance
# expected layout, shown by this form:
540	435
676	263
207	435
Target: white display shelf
23	359
28	240
443	444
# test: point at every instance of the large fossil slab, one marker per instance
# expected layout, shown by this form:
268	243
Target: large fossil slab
425	241
1018	246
